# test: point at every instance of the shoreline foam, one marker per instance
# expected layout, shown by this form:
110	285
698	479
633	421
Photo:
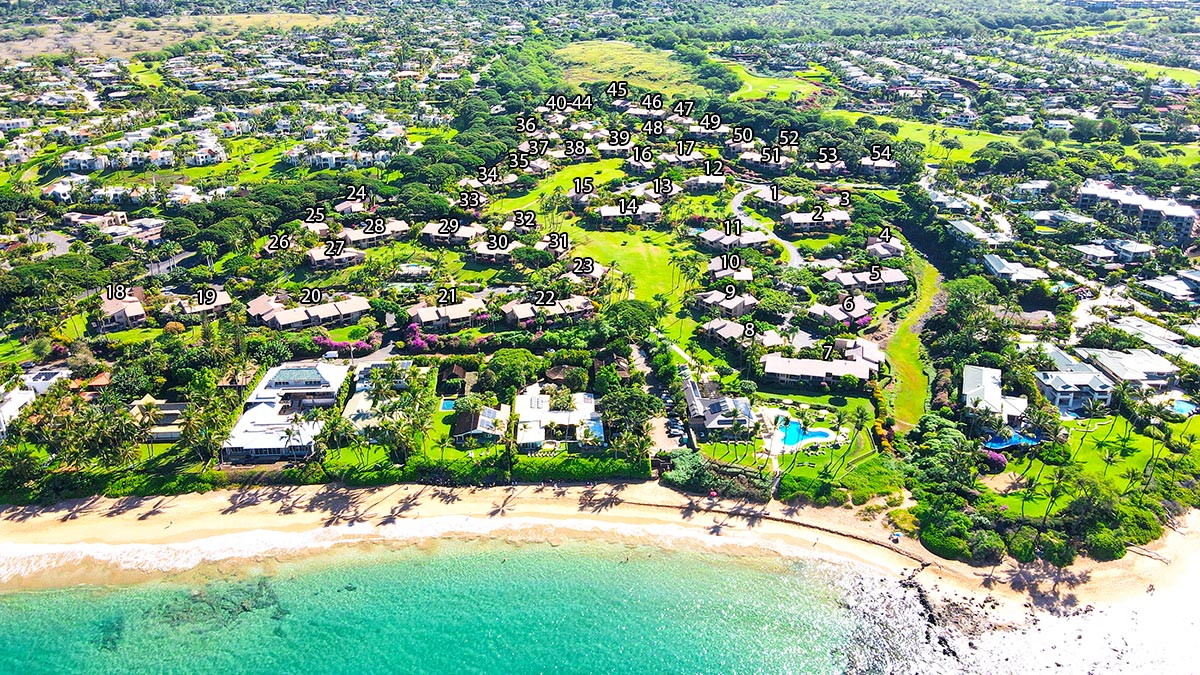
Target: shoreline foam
1089	611
171	534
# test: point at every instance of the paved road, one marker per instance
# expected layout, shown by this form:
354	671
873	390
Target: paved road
658	425
164	266
59	244
1109	297
748	222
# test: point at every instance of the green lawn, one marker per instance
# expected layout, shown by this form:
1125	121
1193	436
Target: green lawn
651	69
146	74
930	134
974	140
1057	35
1186	75
601	172
758	86
643	255
708	206
816	242
12	351
904	353
136	335
1111	434
422	134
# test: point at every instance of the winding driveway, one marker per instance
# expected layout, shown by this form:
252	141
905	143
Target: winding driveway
748	222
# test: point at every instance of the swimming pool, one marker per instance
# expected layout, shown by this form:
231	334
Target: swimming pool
794	434
1017	439
1183	406
447	404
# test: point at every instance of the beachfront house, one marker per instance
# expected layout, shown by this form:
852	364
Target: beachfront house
272	426
981	390
11	404
714	416
484	427
538	424
1073	382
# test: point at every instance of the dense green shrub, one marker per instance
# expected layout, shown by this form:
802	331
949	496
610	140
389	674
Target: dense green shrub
577	469
1105	545
1022	544
1056	550
1138	524
692	473
804	489
939	542
986	547
312	473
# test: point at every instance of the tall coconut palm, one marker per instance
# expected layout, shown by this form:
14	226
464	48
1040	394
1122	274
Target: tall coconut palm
1058	483
1030	493
208	249
1111	458
151	415
1132	475
337	432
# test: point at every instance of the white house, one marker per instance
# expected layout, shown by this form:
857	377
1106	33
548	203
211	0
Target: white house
981	391
272	427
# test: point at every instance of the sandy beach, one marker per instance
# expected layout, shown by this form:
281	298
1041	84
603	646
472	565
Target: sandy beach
135	539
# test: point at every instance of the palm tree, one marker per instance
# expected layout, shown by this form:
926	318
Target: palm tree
839	419
1110	457
338	431
208	249
1057	489
1031	492
151	415
1132	475
292	435
1094	409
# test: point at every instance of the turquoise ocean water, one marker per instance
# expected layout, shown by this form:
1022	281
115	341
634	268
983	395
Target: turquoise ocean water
485	607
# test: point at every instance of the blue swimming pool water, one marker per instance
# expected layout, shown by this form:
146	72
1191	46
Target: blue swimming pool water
794	433
447	404
1184	406
1017	439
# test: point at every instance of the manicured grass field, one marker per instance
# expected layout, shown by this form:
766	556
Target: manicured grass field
601	172
136	335
643	255
904	353
816	242
708	206
975	140
758	86
146	74
1131	450
652	69
930	134
12	351
1186	75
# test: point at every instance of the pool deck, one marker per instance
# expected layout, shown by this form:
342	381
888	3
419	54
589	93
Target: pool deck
774	445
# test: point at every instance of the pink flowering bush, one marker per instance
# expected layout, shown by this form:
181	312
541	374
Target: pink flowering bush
992	461
373	341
